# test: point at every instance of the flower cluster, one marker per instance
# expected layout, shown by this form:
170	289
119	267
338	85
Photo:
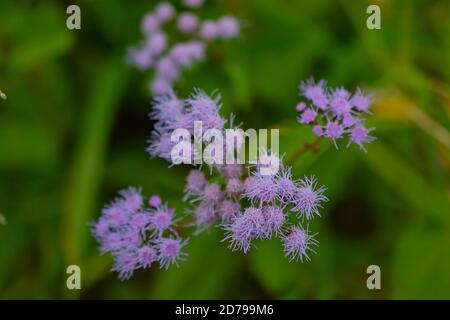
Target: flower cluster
167	60
171	113
335	113
258	206
137	236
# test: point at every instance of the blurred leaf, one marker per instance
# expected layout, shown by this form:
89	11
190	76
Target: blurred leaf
425	198
422	262
85	176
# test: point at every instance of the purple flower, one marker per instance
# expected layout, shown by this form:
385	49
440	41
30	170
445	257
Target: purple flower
228	210
187	22
234	187
228	27
274	220
360	101
132	199
308	116
154	201
156	43
161	144
204	215
316	92
167	110
146	256
297	244
245	228
230	171
125	264
308	198
318	130
162	218
170	251
301	106
212	193
150	24
261	189
164	12
285	186
196	182
209	30
333	130
359	135
161	86
167	69
187	53
201	107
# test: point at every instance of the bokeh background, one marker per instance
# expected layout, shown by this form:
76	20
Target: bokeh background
74	128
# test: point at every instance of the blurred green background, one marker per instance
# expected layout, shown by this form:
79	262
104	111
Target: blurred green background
74	128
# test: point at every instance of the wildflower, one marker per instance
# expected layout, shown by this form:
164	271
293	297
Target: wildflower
359	135
274	219
170	251
193	3
297	243
187	22
308	198
146	256
228	27
154	201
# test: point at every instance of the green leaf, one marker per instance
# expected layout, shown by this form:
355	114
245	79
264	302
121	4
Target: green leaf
407	183
421	263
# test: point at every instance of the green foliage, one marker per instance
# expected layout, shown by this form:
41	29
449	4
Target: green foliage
74	127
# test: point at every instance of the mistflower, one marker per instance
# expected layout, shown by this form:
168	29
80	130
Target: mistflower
245	228
161	218
170	251
261	189
134	235
154	201
286	187
212	193
234	187
274	220
146	256
297	243
132	199
308	198
335	114
157	52
230	171
359	135
187	22
196	182
228	210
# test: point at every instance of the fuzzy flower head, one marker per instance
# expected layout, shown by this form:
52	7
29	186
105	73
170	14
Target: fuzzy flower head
335	113
308	198
170	251
168	58
297	243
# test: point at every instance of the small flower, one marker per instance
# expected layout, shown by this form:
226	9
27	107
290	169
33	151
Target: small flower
359	135
164	12
154	201
187	22
274	220
170	251
360	101
301	106
333	130
315	92
209	30
150	24
162	218
261	189
245	228
234	187
196	182
125	264
228	27
146	256
140	220
132	199
212	193
230	171
308	116
297	244
167	68
286	187
318	130
308	198
228	210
